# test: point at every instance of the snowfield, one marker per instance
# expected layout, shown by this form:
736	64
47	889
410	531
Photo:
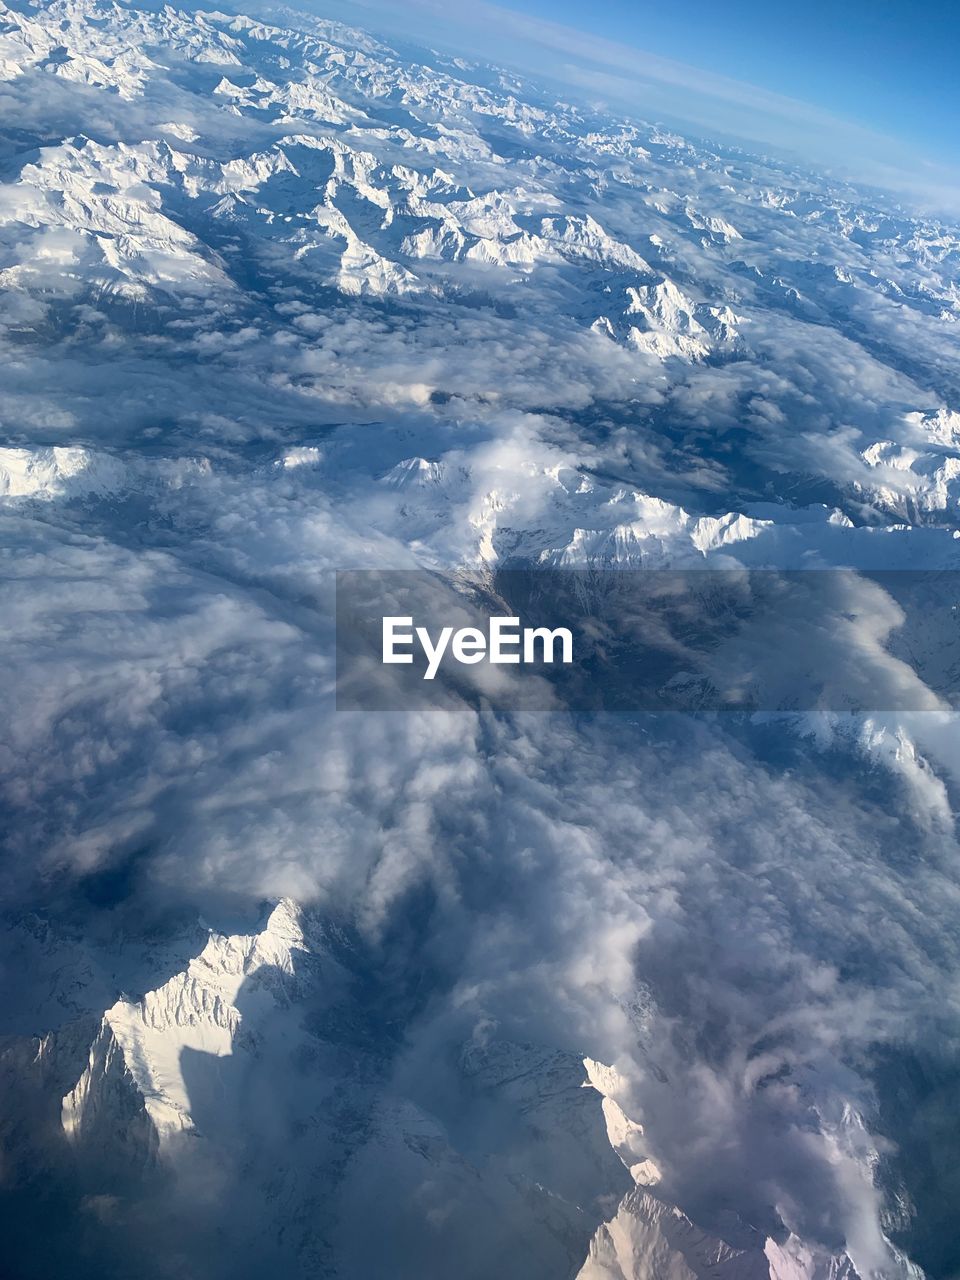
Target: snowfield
453	994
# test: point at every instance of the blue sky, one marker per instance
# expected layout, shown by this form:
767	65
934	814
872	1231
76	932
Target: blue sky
870	91
890	66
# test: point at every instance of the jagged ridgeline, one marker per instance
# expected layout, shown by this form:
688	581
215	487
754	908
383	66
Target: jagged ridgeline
631	998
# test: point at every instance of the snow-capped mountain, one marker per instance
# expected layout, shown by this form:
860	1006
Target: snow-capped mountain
547	999
252	1068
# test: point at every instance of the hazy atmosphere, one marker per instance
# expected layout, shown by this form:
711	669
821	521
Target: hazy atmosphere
654	986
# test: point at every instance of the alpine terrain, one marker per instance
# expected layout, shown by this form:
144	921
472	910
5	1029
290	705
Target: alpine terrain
460	993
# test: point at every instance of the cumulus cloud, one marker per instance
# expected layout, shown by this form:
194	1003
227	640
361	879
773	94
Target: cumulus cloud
736	915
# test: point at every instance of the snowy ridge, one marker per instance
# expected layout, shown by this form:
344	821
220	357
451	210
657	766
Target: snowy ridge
280	299
131	1105
140	1044
73	471
650	1237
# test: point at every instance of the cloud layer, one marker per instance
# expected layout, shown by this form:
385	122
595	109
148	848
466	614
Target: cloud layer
281	301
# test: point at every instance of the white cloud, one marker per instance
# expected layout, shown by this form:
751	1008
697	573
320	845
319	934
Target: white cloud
737	917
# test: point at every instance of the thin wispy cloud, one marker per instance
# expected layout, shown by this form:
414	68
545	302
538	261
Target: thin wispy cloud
627	78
